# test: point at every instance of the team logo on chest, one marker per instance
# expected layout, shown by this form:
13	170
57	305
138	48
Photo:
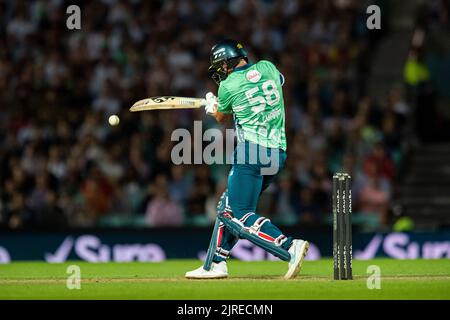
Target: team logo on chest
253	76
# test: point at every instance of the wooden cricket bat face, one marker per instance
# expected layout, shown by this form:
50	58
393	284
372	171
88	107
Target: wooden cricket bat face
167	102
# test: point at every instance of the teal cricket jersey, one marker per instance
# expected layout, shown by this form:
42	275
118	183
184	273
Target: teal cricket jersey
254	96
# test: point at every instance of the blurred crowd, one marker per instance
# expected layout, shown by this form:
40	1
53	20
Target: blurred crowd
62	164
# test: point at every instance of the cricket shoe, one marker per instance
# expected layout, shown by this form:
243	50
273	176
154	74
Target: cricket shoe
298	251
218	271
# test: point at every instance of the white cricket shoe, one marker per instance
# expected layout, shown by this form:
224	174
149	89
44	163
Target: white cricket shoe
218	271
298	251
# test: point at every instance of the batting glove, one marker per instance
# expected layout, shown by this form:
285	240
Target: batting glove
211	103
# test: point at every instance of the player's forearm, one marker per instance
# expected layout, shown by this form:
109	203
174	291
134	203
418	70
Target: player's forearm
221	117
211	108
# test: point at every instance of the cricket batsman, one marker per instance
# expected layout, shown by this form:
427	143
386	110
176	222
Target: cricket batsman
252	94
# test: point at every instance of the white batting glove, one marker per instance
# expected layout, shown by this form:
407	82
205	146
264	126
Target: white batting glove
211	103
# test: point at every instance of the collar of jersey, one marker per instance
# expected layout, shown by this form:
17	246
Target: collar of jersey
248	65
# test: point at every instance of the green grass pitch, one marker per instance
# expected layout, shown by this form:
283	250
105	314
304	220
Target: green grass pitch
400	279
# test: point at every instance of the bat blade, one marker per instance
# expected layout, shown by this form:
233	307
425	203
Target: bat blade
167	103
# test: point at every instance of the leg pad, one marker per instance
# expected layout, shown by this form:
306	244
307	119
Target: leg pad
237	228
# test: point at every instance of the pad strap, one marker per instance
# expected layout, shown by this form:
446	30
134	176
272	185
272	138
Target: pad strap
256	227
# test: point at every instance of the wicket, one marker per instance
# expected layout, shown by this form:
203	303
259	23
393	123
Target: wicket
342	227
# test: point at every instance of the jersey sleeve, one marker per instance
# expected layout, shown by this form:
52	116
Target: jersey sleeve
272	69
224	100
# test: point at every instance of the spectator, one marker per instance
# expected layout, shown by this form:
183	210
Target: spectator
375	194
98	192
380	159
374	200
284	210
51	214
161	210
308	211
203	185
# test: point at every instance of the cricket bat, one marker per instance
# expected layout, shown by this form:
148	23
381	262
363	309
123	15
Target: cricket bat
167	102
